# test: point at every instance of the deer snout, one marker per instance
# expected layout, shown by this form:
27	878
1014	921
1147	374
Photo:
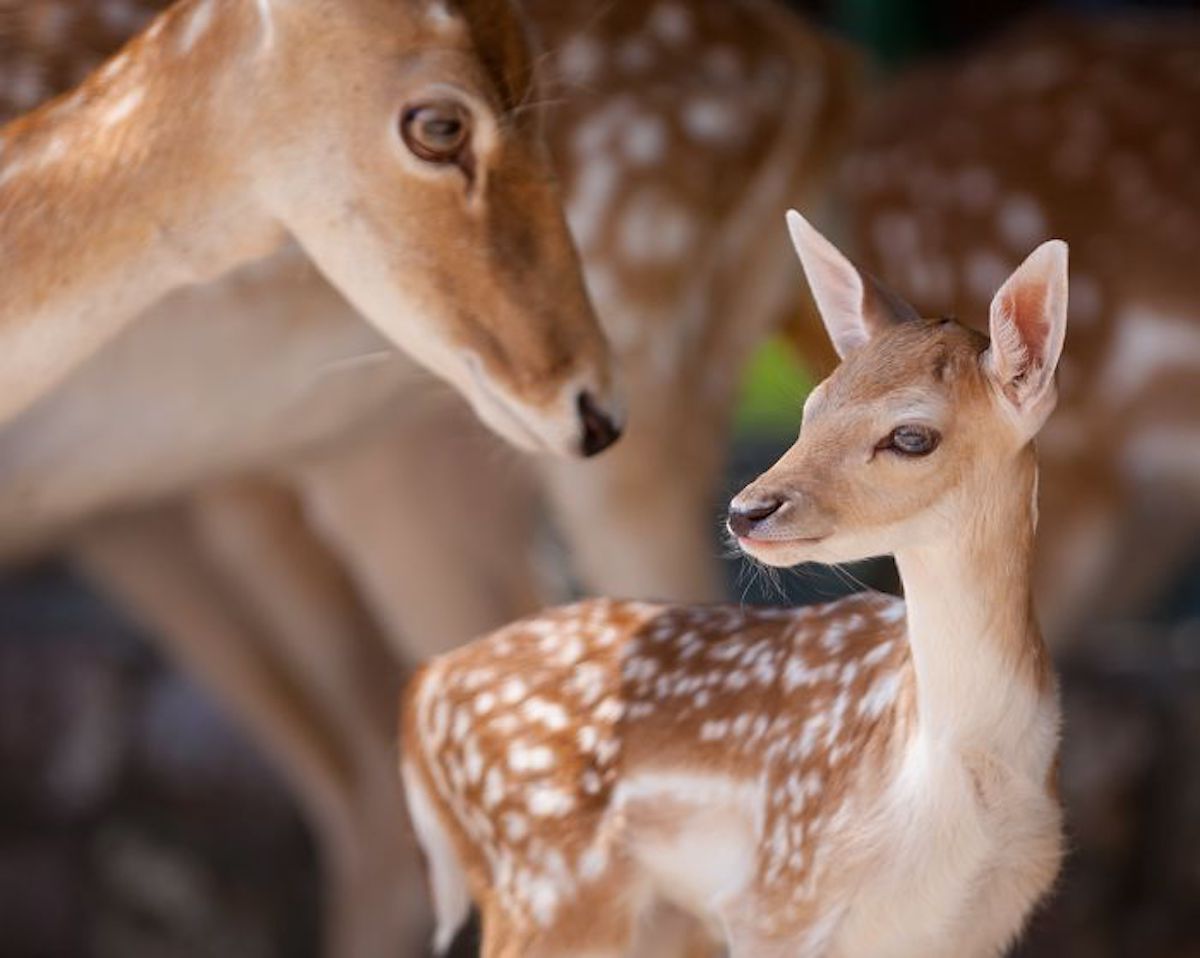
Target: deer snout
747	516
600	426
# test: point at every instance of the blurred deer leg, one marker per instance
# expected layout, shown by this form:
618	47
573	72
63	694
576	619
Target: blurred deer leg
257	536
151	564
308	609
644	518
433	518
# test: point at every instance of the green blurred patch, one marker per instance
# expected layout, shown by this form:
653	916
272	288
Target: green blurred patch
773	391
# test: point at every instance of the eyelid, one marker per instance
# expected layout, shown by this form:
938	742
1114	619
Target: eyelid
888	444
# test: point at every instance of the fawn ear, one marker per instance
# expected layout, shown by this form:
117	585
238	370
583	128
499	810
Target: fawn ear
1028	322
854	305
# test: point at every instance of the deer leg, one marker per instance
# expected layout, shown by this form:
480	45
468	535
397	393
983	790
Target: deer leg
151	563
642	520
433	519
255	533
307	608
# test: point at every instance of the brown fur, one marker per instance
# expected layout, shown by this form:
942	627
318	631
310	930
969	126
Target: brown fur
161	170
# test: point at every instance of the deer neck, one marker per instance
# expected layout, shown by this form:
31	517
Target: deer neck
120	192
982	672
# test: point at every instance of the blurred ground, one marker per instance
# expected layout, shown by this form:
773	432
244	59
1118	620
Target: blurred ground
134	820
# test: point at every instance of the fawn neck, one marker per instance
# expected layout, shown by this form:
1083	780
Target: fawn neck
122	191
981	668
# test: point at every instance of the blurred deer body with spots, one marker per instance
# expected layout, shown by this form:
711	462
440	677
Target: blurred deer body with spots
1085	130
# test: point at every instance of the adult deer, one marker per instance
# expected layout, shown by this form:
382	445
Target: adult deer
1082	129
392	141
399	145
251	374
868	777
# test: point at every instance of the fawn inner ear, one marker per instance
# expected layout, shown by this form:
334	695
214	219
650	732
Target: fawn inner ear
853	304
1027	324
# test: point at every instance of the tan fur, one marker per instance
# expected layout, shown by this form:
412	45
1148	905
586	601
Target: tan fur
862	778
224	127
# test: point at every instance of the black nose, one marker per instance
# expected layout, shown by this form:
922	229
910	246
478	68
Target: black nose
743	519
599	431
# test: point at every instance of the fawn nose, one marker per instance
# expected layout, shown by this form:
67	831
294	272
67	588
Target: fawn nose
599	429
745	517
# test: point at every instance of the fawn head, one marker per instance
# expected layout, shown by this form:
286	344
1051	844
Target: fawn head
917	411
407	158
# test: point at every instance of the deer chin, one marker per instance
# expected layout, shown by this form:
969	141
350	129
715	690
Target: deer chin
505	423
783	552
528	429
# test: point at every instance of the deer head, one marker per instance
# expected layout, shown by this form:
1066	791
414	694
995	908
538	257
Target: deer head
397	141
407	159
918	413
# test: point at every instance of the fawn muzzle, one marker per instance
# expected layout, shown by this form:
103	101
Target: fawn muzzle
747	517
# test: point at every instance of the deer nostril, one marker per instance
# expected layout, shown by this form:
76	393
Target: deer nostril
599	429
743	519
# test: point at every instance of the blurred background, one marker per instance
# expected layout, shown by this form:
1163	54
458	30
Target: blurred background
138	819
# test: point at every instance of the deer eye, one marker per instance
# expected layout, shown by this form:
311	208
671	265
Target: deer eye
436	132
912	440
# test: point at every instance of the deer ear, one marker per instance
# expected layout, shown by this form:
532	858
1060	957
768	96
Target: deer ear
1028	322
853	304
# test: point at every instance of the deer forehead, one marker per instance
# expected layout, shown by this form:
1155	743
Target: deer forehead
916	368
495	32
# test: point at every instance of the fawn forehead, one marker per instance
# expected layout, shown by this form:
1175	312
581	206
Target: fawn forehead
935	357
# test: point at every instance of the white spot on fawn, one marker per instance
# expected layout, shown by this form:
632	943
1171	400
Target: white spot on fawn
547	802
512	691
515	826
524	758
880	696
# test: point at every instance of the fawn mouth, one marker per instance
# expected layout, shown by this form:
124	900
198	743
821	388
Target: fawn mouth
750	544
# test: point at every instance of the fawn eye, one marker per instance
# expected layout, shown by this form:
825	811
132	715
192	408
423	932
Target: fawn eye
912	440
436	132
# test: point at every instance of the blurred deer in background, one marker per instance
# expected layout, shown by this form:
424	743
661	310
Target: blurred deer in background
862	778
411	169
1085	130
315	442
